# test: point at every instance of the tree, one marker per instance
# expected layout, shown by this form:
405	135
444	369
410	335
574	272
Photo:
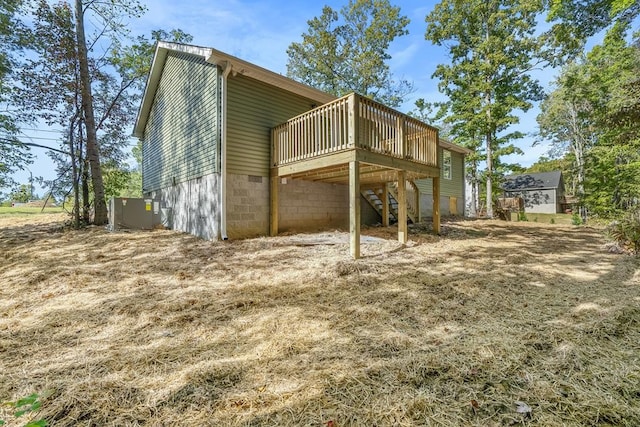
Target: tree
13	154
93	154
565	119
52	90
574	21
593	115
613	165
347	51
22	194
491	46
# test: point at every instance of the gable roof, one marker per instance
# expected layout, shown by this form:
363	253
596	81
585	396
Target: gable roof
532	181
223	60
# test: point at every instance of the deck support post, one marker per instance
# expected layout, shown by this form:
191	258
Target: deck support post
385	204
402	207
354	208
416	195
273	211
436	204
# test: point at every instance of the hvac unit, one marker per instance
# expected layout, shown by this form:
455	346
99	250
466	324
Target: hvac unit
127	213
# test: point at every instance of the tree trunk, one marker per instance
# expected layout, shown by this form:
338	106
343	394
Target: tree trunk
74	172
93	154
579	143
86	204
489	141
474	191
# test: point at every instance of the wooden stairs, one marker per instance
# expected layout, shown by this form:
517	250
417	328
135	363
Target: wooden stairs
374	196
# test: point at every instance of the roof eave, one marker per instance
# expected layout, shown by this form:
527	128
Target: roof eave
453	147
239	66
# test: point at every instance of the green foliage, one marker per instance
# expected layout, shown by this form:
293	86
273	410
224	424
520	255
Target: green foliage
22	194
50	92
626	231
575	219
574	21
121	181
13	155
593	118
347	51
522	216
492	48
552	221
26	405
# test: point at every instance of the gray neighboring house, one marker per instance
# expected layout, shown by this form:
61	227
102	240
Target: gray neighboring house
542	192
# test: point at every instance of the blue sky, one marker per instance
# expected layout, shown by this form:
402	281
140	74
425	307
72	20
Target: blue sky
261	31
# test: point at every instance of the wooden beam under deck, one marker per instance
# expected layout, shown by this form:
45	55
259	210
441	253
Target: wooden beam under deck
374	168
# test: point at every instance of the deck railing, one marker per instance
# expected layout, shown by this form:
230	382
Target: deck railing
351	122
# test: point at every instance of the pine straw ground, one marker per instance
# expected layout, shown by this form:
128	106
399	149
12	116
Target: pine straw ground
162	329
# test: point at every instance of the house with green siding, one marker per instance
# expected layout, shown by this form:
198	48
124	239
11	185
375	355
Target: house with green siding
233	150
452	182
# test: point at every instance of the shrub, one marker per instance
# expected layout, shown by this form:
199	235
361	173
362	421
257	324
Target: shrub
552	221
25	405
626	231
575	219
522	216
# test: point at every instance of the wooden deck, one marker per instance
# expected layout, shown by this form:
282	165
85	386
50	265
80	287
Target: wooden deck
356	141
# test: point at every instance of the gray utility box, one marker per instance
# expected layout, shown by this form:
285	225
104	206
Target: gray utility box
127	213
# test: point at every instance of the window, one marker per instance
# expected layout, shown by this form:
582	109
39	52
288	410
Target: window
446	164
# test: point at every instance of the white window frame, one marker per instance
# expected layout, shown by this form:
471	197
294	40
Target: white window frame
447	169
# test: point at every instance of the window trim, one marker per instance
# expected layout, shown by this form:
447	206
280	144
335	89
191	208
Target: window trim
447	164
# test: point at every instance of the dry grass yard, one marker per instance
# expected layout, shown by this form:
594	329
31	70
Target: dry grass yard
491	324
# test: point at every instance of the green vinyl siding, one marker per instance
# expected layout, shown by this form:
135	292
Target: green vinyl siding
253	108
453	187
181	136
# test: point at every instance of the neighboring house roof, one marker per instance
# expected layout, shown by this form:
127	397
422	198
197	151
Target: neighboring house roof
224	60
532	181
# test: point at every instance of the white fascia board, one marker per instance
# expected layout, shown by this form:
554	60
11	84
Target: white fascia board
453	147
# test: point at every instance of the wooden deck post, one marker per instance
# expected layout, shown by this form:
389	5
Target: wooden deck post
354	118
273	211
416	195
436	205
354	208
402	207
385	204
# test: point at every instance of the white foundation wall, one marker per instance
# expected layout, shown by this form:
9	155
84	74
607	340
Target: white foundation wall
194	205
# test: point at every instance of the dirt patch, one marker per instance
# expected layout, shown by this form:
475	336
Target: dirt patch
491	323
